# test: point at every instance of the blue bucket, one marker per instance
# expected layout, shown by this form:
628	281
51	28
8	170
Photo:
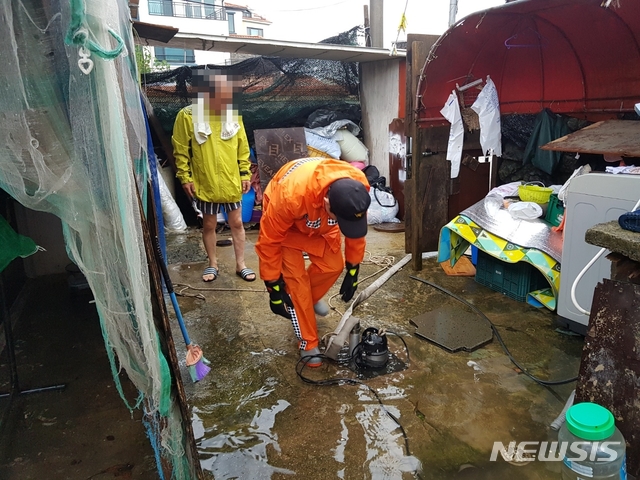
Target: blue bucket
248	200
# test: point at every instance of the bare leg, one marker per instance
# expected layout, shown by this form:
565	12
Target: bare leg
237	233
209	224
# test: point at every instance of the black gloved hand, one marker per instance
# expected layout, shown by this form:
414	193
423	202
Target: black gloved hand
350	282
279	299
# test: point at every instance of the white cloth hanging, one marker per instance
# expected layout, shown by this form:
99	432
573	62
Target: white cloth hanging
451	111
487	106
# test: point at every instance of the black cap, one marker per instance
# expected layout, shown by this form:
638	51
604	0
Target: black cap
349	200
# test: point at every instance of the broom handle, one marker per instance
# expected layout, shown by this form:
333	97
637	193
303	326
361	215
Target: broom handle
167	282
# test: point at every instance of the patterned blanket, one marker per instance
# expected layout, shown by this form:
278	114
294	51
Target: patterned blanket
459	233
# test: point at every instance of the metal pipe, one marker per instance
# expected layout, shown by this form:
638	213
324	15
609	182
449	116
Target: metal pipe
453	10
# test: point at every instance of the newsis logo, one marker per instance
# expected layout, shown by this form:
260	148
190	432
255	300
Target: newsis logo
555	451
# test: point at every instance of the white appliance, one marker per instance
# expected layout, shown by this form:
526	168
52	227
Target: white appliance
592	198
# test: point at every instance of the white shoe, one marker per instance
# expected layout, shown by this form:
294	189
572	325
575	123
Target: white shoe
321	308
310	360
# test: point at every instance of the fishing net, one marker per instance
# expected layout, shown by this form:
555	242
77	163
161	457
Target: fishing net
72	133
277	92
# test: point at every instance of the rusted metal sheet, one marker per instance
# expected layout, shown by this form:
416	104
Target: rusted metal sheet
445	327
610	365
611	137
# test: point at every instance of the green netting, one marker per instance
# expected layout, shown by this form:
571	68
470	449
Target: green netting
277	92
72	135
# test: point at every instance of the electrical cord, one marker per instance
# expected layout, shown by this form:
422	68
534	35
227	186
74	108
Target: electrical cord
545	383
574	285
339	381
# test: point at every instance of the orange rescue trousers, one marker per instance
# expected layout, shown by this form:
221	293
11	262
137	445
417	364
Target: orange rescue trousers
307	286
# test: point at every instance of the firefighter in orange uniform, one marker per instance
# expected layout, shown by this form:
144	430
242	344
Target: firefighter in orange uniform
306	206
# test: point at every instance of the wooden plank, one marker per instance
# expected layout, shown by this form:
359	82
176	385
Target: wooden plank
277	146
613	137
414	70
610	365
433	200
163	326
419	52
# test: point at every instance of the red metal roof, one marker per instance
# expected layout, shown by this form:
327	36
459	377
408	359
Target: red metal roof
571	56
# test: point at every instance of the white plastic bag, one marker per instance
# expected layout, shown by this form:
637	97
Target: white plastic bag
451	111
487	107
383	208
171	214
525	210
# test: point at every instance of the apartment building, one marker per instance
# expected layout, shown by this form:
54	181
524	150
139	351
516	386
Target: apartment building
210	17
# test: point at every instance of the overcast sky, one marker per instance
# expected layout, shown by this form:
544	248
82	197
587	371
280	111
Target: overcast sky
306	21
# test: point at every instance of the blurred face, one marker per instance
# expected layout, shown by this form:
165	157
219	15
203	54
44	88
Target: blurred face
218	91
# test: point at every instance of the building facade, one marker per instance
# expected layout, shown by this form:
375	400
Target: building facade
209	17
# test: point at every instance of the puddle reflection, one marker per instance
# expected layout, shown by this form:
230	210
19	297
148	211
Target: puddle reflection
386	459
384	443
241	453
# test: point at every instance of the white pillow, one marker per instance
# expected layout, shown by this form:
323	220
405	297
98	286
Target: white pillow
327	145
351	148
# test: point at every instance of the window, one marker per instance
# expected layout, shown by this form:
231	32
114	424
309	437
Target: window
192	11
232	22
255	32
161	7
205	10
246	14
175	55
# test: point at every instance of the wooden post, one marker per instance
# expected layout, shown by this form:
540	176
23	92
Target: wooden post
417	52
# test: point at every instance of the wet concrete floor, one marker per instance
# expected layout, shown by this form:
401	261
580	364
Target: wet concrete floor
83	431
255	418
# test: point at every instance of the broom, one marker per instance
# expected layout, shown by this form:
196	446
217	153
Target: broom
196	363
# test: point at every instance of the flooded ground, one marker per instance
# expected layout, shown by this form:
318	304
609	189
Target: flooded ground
255	418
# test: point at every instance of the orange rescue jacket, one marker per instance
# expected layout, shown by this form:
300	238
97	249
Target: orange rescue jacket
294	216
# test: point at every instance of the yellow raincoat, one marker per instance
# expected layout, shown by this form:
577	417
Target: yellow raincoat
216	167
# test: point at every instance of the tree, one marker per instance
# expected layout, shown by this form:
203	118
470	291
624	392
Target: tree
147	63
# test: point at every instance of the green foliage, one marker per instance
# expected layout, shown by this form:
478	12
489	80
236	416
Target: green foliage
147	63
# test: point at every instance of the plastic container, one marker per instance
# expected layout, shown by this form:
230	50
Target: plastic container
595	448
534	193
555	211
515	280
248	200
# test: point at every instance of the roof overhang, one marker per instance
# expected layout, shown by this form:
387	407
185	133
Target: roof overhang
151	31
575	57
274	48
609	137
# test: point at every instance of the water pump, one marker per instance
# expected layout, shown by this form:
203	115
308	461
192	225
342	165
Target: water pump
372	351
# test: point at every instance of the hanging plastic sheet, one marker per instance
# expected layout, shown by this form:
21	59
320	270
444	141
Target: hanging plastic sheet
487	106
451	111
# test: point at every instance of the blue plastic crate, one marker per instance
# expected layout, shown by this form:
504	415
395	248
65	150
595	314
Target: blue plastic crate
515	280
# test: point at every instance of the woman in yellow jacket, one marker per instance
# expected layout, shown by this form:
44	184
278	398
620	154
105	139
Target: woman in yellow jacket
305	208
212	160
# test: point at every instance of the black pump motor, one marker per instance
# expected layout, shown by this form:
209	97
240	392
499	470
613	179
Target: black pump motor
374	352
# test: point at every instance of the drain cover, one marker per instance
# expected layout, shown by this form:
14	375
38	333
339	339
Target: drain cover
453	329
